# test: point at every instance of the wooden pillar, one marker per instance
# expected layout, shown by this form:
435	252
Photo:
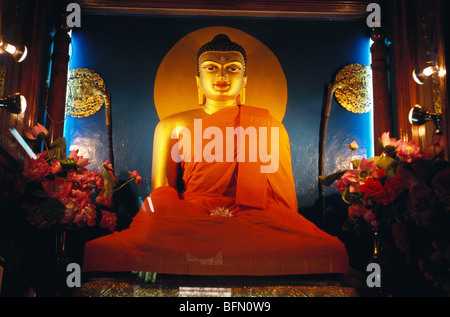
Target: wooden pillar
58	82
382	111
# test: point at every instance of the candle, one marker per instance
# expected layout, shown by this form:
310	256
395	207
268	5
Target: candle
23	143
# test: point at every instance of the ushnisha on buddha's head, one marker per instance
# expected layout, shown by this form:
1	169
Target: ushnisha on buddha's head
221	77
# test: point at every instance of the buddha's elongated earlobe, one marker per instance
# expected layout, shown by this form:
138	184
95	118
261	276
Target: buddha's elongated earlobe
201	94
241	96
201	97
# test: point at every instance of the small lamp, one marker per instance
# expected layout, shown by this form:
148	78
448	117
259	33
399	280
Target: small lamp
421	75
15	104
19	53
419	116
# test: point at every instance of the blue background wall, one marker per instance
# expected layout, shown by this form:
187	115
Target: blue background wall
127	50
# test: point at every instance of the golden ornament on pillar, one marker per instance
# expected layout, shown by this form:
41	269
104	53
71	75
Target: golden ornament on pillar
355	93
86	93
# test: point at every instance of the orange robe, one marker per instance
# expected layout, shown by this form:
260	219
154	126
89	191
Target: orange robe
265	234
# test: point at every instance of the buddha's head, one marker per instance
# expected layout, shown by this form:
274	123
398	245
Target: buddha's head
221	74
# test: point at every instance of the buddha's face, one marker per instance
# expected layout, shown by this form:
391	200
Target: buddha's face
222	75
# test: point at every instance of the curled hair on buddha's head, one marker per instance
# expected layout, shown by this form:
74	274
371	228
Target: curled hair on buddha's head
222	43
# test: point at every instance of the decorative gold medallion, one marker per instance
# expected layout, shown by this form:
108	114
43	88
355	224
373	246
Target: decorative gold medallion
355	93
86	92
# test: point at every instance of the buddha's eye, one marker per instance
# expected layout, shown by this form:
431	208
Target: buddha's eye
210	68
234	68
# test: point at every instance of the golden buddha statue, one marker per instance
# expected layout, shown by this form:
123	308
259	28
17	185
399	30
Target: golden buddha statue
221	81
232	218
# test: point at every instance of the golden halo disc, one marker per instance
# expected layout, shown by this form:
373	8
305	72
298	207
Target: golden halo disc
175	87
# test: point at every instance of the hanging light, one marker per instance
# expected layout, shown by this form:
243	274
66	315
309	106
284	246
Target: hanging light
15	104
19	53
419	116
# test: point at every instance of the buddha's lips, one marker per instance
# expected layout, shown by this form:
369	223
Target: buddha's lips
221	85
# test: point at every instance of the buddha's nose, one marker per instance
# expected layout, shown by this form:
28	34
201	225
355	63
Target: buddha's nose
222	73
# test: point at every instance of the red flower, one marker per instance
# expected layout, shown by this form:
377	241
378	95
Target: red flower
83	177
137	178
390	193
371	187
109	220
55	167
36	170
379	193
56	188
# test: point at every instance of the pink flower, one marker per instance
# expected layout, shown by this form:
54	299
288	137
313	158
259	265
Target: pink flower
36	170
70	212
356	177
109	220
366	214
79	160
137	178
38	132
408	151
86	216
76	199
386	140
107	166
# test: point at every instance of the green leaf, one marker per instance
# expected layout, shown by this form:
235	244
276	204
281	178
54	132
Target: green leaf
330	179
356	163
380	144
352	198
108	184
68	162
387	163
52	209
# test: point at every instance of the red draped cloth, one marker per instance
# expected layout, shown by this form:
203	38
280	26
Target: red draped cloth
262	233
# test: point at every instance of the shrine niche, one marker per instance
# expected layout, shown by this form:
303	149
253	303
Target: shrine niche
305	45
